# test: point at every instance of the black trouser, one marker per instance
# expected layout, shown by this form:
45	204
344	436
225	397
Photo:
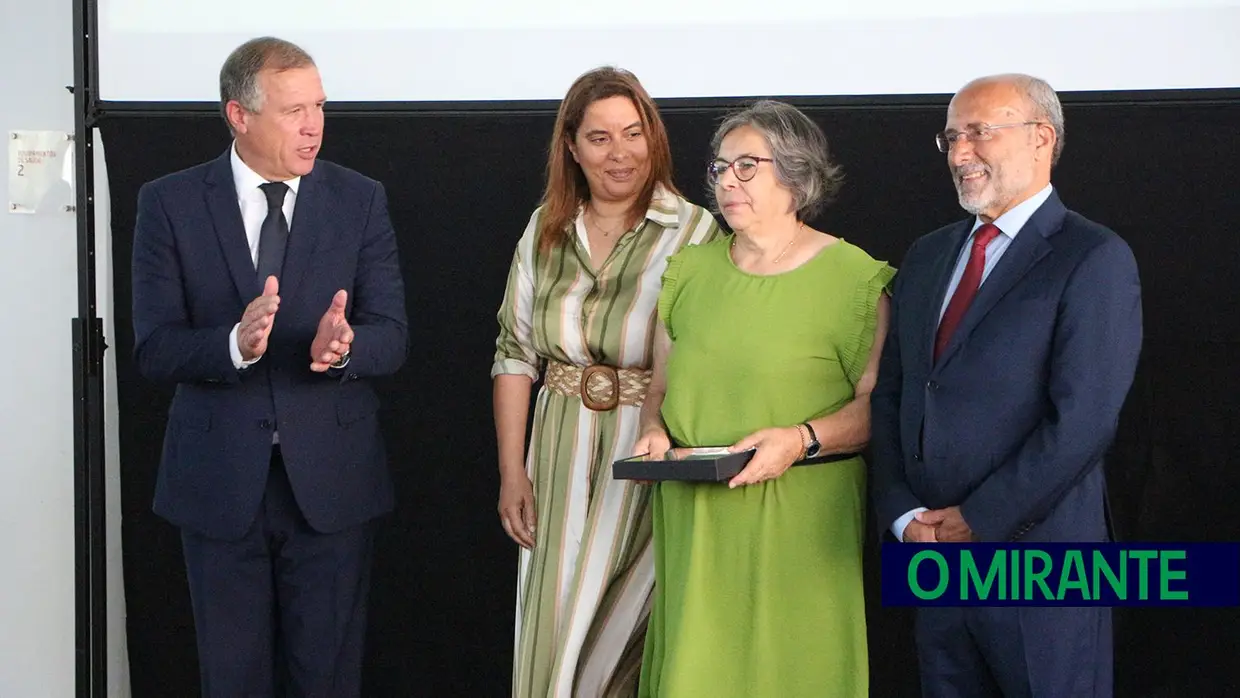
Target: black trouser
282	611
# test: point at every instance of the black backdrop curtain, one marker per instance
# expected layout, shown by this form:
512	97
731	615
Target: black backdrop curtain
461	187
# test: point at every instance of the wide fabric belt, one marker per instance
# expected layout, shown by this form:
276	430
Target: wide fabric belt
599	386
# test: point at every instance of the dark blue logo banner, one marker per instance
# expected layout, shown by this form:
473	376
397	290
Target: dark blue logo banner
1061	574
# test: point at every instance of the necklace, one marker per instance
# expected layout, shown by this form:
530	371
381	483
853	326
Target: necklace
606	233
791	240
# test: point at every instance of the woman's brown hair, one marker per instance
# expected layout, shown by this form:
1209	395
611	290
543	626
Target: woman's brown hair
567	188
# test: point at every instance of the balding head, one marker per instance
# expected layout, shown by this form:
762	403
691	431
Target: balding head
1040	100
1004	137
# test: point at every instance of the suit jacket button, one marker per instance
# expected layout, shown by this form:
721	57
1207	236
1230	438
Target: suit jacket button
932	385
352	376
265	424
917	457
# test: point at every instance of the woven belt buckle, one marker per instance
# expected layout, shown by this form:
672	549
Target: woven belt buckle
612	378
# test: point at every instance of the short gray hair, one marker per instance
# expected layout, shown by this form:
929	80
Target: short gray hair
799	149
1044	101
239	74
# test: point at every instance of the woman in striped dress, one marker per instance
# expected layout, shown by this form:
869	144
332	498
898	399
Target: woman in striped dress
579	308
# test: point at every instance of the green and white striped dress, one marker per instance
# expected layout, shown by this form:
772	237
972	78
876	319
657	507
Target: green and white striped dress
583	592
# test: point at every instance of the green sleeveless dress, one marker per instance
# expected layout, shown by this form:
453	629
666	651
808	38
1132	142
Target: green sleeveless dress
758	590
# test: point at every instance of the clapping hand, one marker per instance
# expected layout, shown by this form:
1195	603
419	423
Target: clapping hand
334	336
257	320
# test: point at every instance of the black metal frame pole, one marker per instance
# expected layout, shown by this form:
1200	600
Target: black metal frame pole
88	347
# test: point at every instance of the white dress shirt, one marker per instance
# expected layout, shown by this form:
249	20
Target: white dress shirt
253	203
1009	224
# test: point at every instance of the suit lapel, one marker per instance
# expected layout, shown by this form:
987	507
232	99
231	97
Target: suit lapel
1029	247
221	195
303	237
942	276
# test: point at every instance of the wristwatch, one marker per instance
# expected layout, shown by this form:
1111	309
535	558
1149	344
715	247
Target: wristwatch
344	361
813	447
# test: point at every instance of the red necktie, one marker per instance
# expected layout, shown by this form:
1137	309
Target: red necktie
966	289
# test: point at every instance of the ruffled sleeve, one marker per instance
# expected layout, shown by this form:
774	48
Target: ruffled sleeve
671	288
874	279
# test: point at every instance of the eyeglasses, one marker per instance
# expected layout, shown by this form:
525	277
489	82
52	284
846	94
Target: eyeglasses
974	133
744	168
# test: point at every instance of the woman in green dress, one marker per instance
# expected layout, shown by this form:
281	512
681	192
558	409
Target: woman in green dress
579	309
769	341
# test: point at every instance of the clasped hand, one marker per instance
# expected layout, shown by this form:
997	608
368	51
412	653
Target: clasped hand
939	526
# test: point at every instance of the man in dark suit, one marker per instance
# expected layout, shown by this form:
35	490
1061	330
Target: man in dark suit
1014	339
267	288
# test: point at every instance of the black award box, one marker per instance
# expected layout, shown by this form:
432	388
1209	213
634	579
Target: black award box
714	464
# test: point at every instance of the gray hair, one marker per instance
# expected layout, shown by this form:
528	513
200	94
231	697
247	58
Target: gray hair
799	149
1043	100
239	74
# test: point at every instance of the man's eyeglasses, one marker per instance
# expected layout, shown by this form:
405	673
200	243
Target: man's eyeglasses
744	168
974	133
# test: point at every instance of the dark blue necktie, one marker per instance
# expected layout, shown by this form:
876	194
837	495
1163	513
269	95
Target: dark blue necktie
273	236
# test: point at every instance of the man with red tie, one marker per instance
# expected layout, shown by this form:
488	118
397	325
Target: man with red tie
1014	339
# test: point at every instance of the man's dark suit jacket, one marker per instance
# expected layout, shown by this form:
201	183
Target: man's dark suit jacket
192	279
1012	422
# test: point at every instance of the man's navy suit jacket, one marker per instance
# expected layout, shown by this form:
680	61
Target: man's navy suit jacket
1012	422
193	277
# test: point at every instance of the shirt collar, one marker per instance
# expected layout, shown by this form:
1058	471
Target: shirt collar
664	208
1011	222
246	180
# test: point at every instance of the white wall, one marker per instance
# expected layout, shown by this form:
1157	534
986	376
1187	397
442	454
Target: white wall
38	290
38	285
